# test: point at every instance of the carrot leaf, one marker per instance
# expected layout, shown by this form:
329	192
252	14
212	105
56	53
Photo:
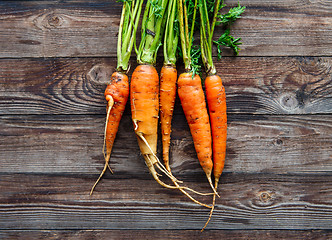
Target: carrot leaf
229	41
196	60
231	16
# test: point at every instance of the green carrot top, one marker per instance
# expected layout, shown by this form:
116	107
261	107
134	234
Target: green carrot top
186	31
171	34
152	31
207	29
130	16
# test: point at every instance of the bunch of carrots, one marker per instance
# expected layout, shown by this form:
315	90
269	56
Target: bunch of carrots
172	24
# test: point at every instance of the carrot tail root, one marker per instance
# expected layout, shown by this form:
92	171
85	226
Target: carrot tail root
155	175
153	162
160	166
211	211
213	204
102	173
107	156
110	103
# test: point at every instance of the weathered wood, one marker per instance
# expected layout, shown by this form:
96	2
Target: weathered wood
49	28
286	85
249	201
55	59
166	234
82	28
73	144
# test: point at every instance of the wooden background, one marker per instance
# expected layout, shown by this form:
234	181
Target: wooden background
55	59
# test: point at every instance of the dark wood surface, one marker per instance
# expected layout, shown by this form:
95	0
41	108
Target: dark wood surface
55	59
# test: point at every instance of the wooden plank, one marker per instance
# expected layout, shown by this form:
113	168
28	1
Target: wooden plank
73	144
249	201
82	28
269	85
167	234
51	28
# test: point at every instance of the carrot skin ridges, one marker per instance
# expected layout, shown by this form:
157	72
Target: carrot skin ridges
192	99
118	89
216	98
168	78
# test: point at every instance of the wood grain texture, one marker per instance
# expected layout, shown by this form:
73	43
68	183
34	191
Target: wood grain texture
73	144
83	29
53	28
283	85
167	234
249	201
55	61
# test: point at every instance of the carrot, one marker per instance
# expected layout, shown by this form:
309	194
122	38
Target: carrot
212	91
216	98
215	91
144	90
168	78
193	103
116	95
117	91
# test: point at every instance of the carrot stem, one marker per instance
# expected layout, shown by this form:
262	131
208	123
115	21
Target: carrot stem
129	20
186	34
171	35
152	30
206	36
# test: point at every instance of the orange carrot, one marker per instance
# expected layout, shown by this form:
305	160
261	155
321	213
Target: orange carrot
216	98
215	91
117	91
144	90
191	92
116	95
194	107
168	79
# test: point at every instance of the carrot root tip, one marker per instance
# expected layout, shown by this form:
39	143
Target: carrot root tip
189	196
216	181
100	176
211	211
109	167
